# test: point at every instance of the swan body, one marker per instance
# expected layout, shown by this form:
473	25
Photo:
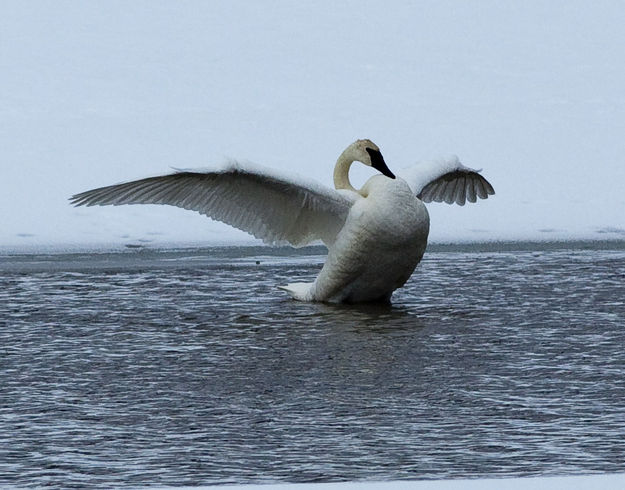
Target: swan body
375	236
376	251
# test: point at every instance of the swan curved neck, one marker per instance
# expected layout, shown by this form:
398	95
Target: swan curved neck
341	172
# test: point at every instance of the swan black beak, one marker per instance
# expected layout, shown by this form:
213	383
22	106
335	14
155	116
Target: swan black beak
378	163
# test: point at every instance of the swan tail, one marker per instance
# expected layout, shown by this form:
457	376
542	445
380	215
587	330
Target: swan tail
300	291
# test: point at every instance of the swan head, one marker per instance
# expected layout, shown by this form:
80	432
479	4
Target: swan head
367	152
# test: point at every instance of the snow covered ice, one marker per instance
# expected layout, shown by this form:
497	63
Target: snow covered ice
99	94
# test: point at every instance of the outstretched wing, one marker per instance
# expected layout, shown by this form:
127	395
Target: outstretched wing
272	206
447	180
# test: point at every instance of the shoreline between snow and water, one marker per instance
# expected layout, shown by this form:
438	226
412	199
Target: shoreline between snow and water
255	249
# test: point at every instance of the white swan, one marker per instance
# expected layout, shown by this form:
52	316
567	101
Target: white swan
375	236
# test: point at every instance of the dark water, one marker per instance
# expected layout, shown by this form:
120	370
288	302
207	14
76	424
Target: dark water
190	367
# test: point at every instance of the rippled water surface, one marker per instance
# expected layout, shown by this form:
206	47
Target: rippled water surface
190	367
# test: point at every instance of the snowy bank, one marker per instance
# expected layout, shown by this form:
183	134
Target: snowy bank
590	482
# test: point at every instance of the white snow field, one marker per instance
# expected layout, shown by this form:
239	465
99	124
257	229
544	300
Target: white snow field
95	93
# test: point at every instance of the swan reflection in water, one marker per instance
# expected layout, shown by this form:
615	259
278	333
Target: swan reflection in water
375	235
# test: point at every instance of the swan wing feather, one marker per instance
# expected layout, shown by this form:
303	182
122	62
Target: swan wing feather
273	206
447	181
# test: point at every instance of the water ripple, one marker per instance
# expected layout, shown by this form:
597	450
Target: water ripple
189	372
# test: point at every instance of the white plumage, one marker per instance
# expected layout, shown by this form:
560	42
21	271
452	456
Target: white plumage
375	236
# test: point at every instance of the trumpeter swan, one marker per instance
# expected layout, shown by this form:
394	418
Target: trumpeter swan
375	236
